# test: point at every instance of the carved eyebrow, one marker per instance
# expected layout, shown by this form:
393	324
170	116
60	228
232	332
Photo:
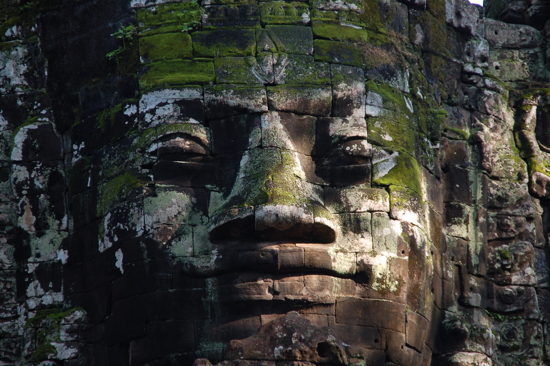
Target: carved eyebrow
193	131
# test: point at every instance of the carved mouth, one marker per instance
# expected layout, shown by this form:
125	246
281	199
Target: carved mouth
267	257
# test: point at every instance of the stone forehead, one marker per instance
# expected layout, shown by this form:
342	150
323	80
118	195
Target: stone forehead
257	43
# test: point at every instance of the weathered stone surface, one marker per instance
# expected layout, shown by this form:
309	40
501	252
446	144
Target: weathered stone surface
462	15
310	100
282	12
362	312
503	35
291	337
229	16
179	175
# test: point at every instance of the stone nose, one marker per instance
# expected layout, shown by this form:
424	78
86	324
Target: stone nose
272	198
275	223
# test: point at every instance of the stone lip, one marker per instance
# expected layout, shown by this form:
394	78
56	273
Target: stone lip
266	257
276	223
291	338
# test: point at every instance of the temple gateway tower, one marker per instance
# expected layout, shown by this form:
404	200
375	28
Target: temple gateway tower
274	183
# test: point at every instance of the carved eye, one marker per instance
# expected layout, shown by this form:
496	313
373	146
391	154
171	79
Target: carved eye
179	147
347	163
182	160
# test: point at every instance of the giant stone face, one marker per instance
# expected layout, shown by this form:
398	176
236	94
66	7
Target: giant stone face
286	185
267	183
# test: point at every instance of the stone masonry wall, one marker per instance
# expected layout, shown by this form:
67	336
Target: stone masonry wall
81	80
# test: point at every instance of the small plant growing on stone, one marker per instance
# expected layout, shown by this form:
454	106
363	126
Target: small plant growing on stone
190	26
126	34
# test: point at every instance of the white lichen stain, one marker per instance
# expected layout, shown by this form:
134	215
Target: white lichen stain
31	266
105	242
278	352
76	152
12	70
409	104
19	139
118	263
64	351
160	108
387	137
385	164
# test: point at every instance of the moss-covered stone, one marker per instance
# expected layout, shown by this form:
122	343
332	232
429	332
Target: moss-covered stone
231	16
337	52
402	170
346	12
236	70
112	191
289	38
170	14
282	12
176	73
335	31
165	46
396	135
392	98
227	42
301	69
312	100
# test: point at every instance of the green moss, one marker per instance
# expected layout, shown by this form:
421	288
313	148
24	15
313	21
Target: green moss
406	173
43	352
501	317
7	46
169	14
190	129
536	164
435	121
107	117
393	132
455	133
282	12
371	16
337	52
26	12
235	70
335	31
530	94
177	73
117	187
227	42
56	315
393	99
165	46
303	69
29	121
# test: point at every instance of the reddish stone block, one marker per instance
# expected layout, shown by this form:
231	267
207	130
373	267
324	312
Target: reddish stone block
366	312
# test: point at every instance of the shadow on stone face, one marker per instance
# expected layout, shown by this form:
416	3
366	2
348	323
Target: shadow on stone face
290	338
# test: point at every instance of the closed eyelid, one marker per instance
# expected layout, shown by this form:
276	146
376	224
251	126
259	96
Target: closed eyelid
178	144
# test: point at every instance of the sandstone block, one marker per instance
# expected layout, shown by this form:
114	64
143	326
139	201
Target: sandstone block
310	100
227	42
364	312
231	16
228	100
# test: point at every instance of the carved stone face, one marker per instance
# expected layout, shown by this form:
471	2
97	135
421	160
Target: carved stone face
286	198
